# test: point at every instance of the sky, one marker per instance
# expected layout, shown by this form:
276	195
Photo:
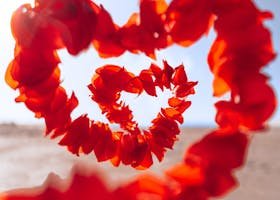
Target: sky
77	71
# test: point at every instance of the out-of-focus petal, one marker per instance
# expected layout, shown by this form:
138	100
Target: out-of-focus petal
186	23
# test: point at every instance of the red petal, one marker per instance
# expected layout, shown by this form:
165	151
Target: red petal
148	83
76	135
181	16
180	76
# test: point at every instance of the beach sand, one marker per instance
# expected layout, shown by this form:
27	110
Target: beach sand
26	158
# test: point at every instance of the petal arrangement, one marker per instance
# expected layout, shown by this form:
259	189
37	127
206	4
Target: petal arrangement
242	48
37	77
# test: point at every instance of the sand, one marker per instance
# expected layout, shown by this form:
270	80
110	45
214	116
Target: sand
26	158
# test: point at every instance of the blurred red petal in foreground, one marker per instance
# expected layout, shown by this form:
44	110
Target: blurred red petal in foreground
82	184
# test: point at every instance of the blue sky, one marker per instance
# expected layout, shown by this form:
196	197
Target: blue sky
77	71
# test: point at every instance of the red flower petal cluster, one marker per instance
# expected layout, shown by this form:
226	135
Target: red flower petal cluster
55	24
75	24
35	73
241	50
